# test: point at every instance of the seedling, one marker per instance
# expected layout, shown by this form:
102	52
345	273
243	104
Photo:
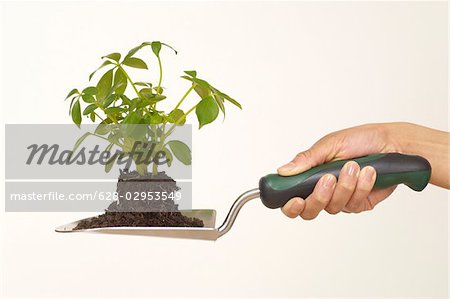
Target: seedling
117	99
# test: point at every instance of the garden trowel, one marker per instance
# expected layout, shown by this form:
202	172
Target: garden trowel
274	190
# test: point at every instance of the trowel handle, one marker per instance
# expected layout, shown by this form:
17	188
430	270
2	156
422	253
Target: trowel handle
392	169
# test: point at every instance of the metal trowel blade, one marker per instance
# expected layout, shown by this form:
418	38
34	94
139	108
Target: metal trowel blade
208	232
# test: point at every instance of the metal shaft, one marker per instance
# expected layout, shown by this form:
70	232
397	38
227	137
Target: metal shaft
235	208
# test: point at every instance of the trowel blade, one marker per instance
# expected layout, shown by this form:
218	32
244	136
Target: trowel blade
208	232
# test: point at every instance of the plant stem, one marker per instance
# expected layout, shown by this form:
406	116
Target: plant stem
129	79
159	147
179	121
113	119
155	169
132	83
185	95
141	169
160	74
184	116
98	116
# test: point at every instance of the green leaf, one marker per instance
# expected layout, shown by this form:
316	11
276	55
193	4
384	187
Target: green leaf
181	151
144	44
156	48
234	102
220	103
109	100
89	109
198	81
135	62
109	147
204	87
175	115
202	91
134	103
117	86
106	121
91	90
145	84
120	80
102	129
110	163
133	51
105	63
206	111
113	56
191	73
154	118
104	85
169	156
114	137
125	100
170	47
158	89
92	116
71	103
76	113
228	98
71	93
132	126
158	97
113	110
79	141
132	118
147	93
88	98
202	83
187	78
142	103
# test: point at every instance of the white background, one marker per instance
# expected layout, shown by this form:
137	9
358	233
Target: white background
301	70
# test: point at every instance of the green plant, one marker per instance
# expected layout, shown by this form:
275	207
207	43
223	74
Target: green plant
108	104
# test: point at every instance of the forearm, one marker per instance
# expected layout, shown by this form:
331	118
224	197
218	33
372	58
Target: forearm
434	145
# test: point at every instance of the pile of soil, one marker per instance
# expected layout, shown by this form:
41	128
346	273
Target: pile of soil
138	213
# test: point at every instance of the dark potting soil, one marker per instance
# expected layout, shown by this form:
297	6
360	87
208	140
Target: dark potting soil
138	213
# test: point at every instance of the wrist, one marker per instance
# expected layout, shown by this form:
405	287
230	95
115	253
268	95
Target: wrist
433	145
400	137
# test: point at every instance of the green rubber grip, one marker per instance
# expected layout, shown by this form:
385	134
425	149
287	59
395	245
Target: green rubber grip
392	169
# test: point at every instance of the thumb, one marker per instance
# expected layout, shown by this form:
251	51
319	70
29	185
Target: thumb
318	154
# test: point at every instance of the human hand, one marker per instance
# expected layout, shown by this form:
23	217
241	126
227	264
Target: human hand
353	192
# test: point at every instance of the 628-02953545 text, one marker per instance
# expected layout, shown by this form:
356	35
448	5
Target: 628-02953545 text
98	195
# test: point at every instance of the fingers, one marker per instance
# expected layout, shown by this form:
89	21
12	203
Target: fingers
315	203
376	196
320	197
359	202
317	154
348	179
293	207
352	193
303	161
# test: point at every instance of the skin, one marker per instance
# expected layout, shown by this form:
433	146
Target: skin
353	193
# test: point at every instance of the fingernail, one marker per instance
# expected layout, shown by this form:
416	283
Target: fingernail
287	167
352	169
328	181
295	207
369	174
